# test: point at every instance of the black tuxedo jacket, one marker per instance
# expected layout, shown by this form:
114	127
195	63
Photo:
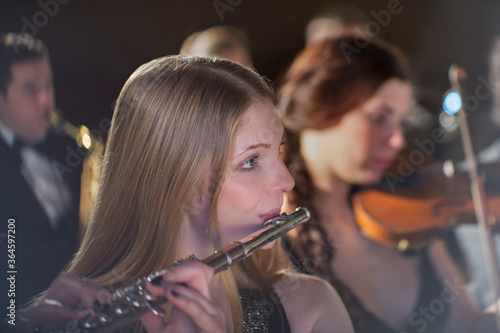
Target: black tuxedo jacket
26	236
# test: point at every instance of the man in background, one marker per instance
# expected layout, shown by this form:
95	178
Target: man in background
39	176
335	21
222	42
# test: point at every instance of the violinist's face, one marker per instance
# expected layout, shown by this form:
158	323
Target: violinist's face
257	177
359	147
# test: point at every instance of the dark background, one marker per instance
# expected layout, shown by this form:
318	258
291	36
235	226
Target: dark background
96	44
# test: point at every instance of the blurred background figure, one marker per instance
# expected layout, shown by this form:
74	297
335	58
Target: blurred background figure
492	152
222	42
40	175
335	21
468	234
344	122
495	78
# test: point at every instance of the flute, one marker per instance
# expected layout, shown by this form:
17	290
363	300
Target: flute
131	302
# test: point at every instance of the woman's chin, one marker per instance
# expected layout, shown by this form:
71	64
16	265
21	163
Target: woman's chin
374	181
368	179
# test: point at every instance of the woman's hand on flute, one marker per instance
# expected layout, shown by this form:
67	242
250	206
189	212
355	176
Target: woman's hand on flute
187	288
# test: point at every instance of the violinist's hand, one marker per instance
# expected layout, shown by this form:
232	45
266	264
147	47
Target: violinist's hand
68	298
187	288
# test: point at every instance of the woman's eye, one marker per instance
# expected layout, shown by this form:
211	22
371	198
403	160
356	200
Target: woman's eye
378	119
250	163
281	148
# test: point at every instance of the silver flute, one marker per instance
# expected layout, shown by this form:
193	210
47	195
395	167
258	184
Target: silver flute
131	302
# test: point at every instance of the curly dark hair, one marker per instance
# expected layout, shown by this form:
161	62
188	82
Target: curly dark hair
326	81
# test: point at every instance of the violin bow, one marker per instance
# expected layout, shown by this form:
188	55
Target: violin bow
458	78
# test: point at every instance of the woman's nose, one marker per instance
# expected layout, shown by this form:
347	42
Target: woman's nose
284	180
397	139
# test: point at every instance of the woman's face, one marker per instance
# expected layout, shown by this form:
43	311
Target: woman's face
364	142
257	176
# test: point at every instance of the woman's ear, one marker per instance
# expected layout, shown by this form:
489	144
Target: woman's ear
200	203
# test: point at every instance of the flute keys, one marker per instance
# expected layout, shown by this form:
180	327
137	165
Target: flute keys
157	312
87	325
147	296
118	311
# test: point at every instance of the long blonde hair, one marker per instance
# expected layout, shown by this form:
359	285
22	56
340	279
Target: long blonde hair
172	130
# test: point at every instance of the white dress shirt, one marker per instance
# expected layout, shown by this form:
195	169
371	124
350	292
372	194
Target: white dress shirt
37	170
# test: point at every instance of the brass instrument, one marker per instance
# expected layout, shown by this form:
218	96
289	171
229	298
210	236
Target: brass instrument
132	301
81	134
91	166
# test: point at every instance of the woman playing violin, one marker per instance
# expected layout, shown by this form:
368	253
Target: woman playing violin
344	102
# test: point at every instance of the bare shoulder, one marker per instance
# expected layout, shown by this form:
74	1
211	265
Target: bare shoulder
312	305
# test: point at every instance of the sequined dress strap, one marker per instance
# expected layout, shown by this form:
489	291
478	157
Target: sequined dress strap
261	313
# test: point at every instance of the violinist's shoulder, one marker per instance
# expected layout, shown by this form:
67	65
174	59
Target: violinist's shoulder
312	304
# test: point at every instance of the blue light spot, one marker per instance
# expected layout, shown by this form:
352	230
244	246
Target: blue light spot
452	103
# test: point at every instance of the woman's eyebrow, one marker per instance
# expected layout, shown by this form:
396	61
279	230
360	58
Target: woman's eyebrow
387	108
258	145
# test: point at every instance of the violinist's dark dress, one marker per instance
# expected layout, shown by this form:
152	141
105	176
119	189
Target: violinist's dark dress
430	296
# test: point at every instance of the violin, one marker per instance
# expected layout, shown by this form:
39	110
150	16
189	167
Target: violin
418	208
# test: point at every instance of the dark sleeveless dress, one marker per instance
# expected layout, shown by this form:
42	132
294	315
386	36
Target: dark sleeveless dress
430	314
262	313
